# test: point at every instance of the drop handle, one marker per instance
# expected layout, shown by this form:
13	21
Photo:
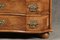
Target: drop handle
2	22
32	7
2	5
33	24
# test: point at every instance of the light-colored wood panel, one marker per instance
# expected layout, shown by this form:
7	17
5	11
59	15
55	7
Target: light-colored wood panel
13	23
43	23
43	6
13	6
16	22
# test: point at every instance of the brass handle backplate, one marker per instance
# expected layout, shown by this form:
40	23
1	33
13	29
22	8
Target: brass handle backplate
2	22
32	23
32	7
2	5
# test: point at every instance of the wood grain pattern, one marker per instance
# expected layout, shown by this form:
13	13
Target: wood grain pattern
13	6
43	6
42	23
15	21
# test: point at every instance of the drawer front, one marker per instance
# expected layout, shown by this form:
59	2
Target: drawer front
38	6
12	22
13	6
37	23
43	6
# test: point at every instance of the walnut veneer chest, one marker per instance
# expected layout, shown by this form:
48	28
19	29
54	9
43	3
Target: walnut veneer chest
26	16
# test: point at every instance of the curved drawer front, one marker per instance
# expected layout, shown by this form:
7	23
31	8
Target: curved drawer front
12	22
12	6
38	6
37	23
43	6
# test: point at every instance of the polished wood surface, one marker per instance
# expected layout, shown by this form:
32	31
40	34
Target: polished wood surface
42	22
13	6
13	22
27	16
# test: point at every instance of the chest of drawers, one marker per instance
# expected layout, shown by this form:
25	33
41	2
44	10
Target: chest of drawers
26	16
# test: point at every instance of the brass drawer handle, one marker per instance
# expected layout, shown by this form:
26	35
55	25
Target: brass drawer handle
32	23
2	5
2	22
32	7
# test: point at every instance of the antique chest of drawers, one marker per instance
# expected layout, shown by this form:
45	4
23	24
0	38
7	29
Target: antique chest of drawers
26	16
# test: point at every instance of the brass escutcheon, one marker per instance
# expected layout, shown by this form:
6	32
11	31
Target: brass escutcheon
32	7
32	23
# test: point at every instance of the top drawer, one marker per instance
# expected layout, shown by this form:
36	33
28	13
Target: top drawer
12	6
38	6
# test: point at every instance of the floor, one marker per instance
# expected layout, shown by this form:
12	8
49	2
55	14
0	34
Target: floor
55	35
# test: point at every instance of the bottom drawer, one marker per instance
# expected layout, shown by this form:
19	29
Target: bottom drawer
37	23
12	22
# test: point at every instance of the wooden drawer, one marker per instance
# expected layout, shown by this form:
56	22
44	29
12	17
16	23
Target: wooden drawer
37	23
13	6
40	7
12	22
